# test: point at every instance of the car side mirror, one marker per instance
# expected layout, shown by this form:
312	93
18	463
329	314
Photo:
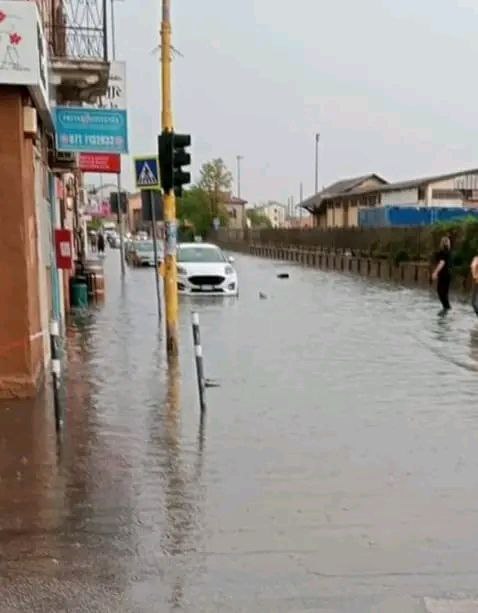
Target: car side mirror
230	259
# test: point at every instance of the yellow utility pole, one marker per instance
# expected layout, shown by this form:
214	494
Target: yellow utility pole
170	279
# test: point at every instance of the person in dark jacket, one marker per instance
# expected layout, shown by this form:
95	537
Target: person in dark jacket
442	273
101	243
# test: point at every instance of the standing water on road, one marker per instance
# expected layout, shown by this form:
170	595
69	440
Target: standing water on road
336	469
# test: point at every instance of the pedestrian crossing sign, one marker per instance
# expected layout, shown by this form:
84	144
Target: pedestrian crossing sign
146	170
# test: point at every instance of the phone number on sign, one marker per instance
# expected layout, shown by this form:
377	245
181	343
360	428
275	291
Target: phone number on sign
91	140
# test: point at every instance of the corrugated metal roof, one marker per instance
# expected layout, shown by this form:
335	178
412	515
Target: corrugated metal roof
343	187
347	185
401	185
351	187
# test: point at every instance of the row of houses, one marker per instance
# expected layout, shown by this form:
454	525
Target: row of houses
339	204
235	207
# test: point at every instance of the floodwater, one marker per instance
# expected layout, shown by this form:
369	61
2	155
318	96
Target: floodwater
336	469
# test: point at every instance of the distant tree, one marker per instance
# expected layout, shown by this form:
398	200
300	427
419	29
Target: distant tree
216	180
95	224
194	211
258	219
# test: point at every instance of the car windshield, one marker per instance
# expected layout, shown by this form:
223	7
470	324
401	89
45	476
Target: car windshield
200	254
144	246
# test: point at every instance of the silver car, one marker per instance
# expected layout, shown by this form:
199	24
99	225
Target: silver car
143	253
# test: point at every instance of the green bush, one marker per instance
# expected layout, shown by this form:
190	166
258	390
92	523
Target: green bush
464	241
94	224
401	255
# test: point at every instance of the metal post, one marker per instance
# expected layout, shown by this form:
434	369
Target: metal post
155	250
55	279
317	138
120	224
301	197
105	30
170	223
113	32
239	158
56	372
79	244
199	362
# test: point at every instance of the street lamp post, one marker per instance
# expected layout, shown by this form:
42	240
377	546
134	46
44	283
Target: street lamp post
239	159
169	200
113	30
317	139
301	198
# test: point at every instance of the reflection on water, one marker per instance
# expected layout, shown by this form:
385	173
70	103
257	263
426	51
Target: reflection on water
336	464
474	344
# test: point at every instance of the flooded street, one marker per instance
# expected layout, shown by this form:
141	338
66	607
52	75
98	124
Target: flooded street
337	468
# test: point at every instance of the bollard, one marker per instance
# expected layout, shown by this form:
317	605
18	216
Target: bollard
55	371
199	362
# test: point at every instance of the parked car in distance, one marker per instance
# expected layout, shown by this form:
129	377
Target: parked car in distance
113	239
108	228
142	236
204	269
141	253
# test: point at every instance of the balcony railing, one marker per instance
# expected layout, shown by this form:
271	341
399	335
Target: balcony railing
78	30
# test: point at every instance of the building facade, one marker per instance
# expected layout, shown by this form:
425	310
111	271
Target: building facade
275	212
236	209
135	212
40	64
338	205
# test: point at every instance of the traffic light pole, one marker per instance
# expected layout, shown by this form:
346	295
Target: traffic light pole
170	278
154	228
121	225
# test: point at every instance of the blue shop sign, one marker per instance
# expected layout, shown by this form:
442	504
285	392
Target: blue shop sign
91	130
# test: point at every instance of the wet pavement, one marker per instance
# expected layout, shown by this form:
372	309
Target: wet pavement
337	468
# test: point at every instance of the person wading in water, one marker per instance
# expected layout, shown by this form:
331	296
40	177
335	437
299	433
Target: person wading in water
474	274
442	273
101	243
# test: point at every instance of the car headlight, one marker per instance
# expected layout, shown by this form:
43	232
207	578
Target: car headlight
182	270
229	270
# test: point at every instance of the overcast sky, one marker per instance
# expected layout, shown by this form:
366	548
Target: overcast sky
391	85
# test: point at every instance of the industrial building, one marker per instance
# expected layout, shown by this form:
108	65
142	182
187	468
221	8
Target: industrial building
340	204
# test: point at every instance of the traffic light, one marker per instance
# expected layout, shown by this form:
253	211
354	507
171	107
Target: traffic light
114	202
181	158
172	157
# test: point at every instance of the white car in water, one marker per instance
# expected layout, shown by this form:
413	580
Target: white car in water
204	269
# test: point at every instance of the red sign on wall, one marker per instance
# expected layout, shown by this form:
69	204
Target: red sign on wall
100	162
64	249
